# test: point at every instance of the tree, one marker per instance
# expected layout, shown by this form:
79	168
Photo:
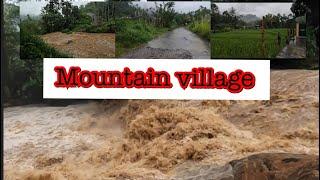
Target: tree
57	16
68	19
11	63
164	14
215	16
52	19
299	8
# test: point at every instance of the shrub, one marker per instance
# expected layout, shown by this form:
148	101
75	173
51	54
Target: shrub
133	33
29	72
32	25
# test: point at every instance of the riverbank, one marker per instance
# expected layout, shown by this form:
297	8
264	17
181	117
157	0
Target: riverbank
153	139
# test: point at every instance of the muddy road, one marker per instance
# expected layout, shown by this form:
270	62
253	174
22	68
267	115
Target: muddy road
158	139
176	44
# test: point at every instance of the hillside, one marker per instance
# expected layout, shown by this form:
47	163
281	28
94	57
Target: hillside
249	18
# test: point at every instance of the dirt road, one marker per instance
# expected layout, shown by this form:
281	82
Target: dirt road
176	44
148	139
83	45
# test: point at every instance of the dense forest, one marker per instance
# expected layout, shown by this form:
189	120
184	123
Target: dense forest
136	25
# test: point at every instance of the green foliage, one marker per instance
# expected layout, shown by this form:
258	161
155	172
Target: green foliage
201	28
312	48
57	16
164	14
24	74
131	33
12	64
299	7
32	52
200	22
246	44
107	27
124	9
32	47
33	26
135	25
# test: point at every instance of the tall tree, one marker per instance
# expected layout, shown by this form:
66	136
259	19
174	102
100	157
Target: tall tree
52	19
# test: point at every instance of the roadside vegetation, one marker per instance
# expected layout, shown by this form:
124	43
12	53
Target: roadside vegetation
136	26
200	23
133	33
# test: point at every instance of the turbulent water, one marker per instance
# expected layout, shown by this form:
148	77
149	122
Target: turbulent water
148	139
176	44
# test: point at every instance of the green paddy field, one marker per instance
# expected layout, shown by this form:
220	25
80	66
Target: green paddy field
247	43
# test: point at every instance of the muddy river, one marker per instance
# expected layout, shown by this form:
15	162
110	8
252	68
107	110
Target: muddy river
155	139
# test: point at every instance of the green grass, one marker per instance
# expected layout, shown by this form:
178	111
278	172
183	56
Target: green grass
201	28
132	33
246	44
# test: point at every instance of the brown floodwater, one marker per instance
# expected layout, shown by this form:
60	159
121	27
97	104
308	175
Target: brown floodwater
156	139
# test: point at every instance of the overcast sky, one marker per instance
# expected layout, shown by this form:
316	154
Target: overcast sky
33	7
258	9
183	7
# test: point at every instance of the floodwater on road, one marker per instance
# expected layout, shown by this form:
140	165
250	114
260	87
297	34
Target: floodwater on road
179	43
181	38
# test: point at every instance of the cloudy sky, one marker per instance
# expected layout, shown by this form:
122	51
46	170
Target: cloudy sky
33	7
184	7
259	9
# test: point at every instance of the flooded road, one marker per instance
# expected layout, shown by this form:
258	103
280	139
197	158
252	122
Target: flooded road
178	43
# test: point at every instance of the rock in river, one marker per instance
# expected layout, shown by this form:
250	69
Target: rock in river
265	166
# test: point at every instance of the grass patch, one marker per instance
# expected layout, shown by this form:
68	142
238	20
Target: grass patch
132	33
246	44
201	28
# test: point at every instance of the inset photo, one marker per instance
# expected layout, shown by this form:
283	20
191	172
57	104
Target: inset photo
57	28
258	31
163	30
